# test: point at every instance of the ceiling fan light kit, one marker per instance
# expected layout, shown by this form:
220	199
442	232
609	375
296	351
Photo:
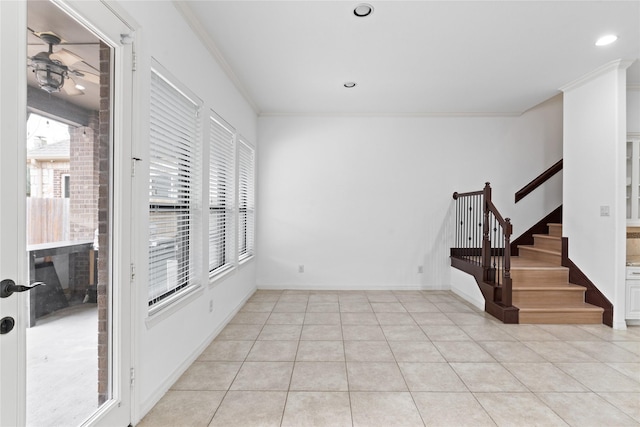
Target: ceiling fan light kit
49	73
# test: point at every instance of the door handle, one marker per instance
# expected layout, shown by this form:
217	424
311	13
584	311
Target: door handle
8	287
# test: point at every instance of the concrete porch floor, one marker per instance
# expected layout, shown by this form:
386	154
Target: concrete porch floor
62	367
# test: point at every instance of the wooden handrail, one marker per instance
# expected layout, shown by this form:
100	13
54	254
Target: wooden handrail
490	253
470	193
539	180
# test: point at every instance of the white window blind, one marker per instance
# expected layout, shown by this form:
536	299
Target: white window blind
246	202
174	181
221	195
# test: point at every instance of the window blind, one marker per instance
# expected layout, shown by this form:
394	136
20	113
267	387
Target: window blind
221	194
246	202
173	188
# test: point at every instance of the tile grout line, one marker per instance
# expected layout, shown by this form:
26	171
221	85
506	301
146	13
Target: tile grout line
415	404
240	368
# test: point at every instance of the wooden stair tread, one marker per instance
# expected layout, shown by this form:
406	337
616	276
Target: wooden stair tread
534	249
546	236
541	290
542	294
519	263
561	308
551	287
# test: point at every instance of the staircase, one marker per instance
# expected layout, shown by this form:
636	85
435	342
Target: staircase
540	284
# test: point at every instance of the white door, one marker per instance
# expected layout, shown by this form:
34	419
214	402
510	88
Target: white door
18	256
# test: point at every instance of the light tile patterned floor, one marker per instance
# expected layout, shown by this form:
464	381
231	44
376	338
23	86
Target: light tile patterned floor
402	358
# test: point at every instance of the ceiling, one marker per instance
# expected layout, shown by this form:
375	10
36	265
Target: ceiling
44	16
412	57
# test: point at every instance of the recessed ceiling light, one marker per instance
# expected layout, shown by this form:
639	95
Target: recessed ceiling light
363	10
605	40
349	85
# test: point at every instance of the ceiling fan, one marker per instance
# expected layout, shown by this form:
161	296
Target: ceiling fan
53	69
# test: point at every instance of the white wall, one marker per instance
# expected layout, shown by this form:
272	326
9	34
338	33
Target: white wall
594	176
633	110
361	202
167	345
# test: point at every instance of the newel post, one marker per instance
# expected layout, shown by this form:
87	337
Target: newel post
486	241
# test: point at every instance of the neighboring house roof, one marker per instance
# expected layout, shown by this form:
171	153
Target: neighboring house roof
56	151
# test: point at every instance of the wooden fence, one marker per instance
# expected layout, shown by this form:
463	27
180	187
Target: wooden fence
47	220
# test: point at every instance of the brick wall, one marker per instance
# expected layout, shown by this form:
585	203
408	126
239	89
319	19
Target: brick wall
58	181
104	180
83	181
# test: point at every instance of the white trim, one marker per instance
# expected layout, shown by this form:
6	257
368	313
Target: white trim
245	259
171	305
155	397
479	304
620	325
390	114
618	64
216	276
195	25
163	73
343	287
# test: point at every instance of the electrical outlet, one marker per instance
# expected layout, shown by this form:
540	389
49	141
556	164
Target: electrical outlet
301	268
210	306
419	269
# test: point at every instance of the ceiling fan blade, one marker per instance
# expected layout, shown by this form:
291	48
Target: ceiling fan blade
66	57
70	88
87	76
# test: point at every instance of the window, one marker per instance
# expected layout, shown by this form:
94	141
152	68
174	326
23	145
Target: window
66	186
246	203
174	189
221	195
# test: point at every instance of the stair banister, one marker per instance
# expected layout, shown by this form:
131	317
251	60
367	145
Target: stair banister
538	181
494	254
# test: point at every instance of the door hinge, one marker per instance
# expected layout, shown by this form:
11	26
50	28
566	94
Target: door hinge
134	61
133	165
132	272
132	376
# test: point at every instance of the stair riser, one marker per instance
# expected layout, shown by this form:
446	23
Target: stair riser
540	256
560	318
555	230
536	277
550	244
547	296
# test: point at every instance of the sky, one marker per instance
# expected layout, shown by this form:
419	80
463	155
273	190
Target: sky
48	129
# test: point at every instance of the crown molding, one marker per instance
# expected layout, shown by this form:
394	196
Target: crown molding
618	64
199	30
391	114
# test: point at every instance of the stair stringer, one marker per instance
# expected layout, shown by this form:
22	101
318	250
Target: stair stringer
489	291
592	295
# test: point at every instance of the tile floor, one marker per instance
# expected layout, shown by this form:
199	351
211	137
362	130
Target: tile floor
402	358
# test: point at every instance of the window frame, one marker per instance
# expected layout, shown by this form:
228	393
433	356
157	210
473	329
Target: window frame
245	235
227	162
178	171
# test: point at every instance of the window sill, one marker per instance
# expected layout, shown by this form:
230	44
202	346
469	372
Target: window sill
218	276
167	308
245	260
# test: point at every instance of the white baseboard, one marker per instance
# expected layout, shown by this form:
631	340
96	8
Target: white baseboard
628	322
471	299
348	287
155	397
